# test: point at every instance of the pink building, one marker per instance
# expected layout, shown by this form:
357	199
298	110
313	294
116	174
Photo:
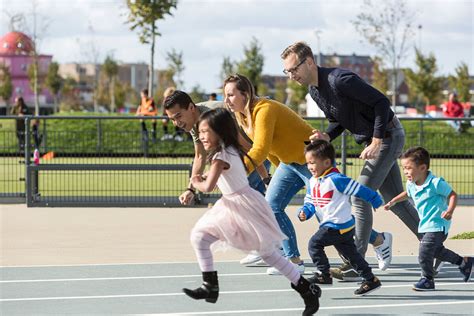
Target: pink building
16	52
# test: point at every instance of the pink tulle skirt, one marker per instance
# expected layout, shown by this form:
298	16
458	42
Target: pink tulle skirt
242	220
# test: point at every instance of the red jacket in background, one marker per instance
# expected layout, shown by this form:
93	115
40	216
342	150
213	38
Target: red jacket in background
453	109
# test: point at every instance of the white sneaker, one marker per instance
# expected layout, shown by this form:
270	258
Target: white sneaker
178	138
250	259
167	137
384	252
299	266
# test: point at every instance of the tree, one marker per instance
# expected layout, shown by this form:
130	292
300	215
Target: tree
54	82
252	64
197	94
143	16
296	94
6	86
387	25
110	68
175	65
228	68
69	96
38	28
380	79
461	82
424	82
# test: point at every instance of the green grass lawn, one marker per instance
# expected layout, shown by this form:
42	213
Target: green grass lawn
466	235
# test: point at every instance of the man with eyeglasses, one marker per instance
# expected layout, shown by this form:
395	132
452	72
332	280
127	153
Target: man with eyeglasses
350	103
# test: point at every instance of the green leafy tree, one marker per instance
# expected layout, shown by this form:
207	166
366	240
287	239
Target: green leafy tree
280	93
380	79
424	81
53	82
176	66
296	94
228	68
252	64
69	97
461	82
6	86
387	26
143	16
197	94
110	68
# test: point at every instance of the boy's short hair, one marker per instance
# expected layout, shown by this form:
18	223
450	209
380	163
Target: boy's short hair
321	149
418	155
178	97
145	91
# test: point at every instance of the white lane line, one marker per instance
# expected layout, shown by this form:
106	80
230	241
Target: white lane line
180	294
321	308
338	259
179	276
129	278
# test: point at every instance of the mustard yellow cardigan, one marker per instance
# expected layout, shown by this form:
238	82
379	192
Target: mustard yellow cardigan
278	134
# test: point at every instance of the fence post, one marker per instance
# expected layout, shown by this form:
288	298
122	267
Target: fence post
422	136
344	152
45	137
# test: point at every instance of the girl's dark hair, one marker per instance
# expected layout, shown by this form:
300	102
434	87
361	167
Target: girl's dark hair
220	120
321	149
418	155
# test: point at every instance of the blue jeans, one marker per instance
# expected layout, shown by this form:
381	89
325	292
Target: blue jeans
255	181
431	247
287	180
344	244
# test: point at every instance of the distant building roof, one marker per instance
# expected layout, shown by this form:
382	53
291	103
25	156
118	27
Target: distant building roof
16	43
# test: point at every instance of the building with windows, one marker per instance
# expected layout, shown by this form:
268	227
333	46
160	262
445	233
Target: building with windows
17	53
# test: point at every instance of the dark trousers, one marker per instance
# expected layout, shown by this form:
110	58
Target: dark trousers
344	243
431	247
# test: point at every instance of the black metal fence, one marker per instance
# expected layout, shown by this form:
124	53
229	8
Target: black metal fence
112	161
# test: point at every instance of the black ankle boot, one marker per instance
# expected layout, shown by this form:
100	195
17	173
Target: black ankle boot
209	289
310	292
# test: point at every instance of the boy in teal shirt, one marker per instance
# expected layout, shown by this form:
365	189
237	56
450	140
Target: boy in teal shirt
435	202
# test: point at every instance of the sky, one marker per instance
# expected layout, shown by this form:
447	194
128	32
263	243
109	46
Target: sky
206	31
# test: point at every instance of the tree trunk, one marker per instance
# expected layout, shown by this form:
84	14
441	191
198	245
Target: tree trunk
150	68
35	84
96	80
112	95
394	89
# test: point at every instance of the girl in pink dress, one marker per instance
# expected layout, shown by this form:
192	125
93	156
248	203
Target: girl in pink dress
241	219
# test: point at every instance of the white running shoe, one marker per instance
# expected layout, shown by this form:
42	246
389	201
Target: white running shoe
383	253
178	138
250	259
299	266
167	137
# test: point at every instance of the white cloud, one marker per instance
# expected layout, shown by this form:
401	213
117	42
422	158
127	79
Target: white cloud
207	30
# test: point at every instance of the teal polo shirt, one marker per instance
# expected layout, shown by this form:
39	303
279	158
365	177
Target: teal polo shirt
431	201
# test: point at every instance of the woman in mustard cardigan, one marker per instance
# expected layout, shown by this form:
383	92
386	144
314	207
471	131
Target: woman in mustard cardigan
279	134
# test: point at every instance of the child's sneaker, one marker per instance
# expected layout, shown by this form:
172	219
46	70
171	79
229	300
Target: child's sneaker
383	252
299	266
320	278
424	285
466	268
345	273
250	259
368	286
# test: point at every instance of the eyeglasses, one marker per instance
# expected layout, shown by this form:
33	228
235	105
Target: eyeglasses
294	69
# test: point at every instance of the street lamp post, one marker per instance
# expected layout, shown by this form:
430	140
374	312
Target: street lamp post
317	33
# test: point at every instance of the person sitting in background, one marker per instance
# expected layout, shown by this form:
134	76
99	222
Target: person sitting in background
454	109
147	108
